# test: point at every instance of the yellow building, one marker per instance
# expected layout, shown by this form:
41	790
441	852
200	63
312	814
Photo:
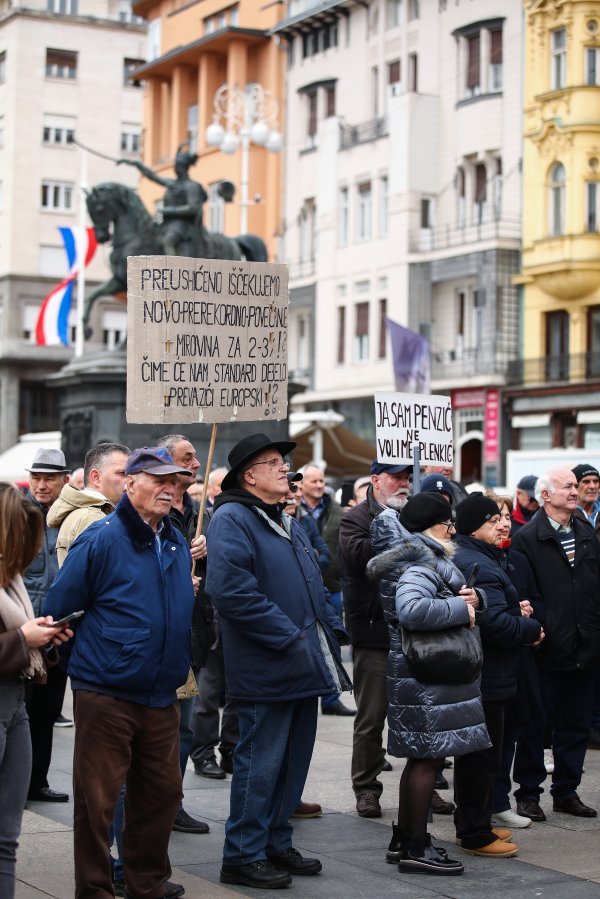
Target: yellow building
194	48
557	400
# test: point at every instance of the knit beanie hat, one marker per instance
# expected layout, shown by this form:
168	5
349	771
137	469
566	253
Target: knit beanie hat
474	511
424	510
584	470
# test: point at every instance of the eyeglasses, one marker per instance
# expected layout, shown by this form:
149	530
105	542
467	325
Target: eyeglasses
450	526
273	463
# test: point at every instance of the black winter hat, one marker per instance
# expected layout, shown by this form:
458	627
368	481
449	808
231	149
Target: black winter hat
583	471
474	511
424	510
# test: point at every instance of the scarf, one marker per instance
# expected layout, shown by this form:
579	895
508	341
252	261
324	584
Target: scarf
15	610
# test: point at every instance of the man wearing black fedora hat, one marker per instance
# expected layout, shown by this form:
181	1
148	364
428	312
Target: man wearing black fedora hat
281	653
47	476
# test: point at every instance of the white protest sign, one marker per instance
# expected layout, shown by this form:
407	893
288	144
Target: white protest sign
206	340
404	420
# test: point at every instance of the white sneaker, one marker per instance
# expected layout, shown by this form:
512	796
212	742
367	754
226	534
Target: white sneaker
548	761
510	819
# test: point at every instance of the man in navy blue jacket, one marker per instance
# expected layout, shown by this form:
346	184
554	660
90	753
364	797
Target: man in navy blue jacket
281	653
131	575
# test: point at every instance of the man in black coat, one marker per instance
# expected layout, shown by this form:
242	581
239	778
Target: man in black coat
389	488
565	557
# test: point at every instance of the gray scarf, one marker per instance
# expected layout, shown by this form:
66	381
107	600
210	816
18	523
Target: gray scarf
15	611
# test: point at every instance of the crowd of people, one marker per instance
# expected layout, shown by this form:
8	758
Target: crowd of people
160	620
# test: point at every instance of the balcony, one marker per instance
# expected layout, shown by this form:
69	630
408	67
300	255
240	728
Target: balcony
427	240
301	376
480	361
554	369
352	135
302	268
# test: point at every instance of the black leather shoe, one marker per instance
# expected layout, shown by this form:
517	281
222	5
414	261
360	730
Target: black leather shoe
441	783
294	863
260	874
184	823
574	806
45	794
338	708
386	766
209	768
226	752
441	806
428	859
530	809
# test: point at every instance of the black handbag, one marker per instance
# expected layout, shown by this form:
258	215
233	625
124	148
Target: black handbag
450	656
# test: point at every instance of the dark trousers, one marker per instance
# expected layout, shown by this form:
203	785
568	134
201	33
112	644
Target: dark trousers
44	703
120	742
474	776
205	717
369	677
567	701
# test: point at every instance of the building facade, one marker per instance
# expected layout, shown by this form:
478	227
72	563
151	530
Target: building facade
64	74
403	200
554	397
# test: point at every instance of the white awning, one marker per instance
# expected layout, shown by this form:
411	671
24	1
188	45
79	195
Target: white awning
539	420
15	460
588	417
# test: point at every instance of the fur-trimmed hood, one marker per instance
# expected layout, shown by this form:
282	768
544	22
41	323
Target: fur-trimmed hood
416	549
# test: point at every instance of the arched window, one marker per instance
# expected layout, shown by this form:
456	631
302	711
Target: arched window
556	200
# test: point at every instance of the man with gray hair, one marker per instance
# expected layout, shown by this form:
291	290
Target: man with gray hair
565	557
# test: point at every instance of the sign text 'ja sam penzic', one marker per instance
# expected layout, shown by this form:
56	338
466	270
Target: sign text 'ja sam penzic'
206	340
407	420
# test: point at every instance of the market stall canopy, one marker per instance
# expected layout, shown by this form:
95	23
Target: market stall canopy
15	460
321	437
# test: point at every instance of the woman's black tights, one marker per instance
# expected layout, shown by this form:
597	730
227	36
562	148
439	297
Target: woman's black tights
416	789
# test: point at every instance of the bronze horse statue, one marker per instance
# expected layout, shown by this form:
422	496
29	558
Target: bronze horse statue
120	217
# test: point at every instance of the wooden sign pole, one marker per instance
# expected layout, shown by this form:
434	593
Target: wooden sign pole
211	450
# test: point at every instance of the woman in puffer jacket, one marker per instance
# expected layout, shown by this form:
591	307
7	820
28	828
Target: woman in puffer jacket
422	590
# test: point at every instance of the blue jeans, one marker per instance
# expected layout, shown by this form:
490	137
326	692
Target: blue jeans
271	762
332	698
15	771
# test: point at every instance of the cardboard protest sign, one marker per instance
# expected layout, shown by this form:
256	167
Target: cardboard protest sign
403	420
206	340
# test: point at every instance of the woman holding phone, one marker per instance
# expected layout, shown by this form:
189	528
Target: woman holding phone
23	658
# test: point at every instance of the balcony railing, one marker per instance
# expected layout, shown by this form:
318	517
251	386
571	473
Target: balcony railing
448	364
573	367
425	240
351	135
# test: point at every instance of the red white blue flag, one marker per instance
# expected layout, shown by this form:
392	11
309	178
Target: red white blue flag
52	326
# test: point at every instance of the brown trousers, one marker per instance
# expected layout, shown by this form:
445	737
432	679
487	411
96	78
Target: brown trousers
370	693
120	742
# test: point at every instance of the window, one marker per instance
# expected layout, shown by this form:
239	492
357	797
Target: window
130	141
558	54
312	113
375	90
557	199
361	332
57	195
302	342
343	216
591	196
221	21
234	14
114	326
341	335
308	232
129	67
413	10
592	65
2	66
384	189
58	130
413	73
495	75
209	25
593	366
394	78
192	127
126	14
498	182
61	64
216	208
363	218
473	65
330	102
426	212
63	7
382	329
461	204
394	13
557	345
480	204
153	39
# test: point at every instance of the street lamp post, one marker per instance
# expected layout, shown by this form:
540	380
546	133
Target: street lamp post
250	116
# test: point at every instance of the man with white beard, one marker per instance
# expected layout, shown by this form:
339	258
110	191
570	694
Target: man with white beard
389	489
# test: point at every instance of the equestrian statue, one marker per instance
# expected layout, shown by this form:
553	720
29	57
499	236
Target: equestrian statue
119	217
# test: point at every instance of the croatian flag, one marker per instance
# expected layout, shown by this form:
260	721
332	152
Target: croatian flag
51	328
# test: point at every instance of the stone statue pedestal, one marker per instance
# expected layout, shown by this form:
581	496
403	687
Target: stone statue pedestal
92	392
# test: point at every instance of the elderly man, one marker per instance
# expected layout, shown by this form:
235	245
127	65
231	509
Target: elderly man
281	653
215	479
565	557
130	574
389	488
47	476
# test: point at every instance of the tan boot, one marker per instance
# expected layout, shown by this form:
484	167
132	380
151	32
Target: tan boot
497	849
503	833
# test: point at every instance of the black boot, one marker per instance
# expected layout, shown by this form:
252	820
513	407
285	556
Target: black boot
398	844
423	858
226	751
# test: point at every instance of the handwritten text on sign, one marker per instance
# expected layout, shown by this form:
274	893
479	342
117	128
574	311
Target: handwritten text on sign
207	340
403	420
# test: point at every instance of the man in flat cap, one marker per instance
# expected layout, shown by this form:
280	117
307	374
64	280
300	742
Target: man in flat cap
47	476
131	575
281	654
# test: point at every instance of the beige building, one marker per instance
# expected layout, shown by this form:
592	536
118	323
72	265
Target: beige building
64	67
403	199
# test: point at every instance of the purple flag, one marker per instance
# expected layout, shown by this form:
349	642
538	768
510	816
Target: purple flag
410	357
